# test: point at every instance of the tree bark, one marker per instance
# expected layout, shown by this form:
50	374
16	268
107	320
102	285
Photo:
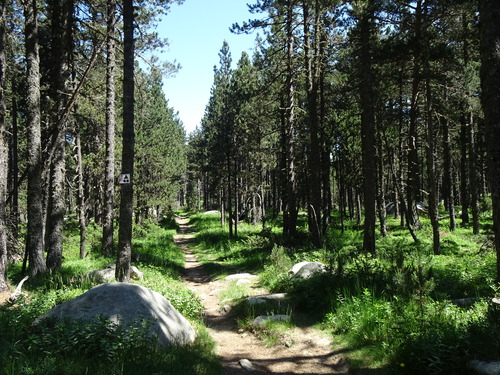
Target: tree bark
127	192
473	177
314	158
3	156
82	217
431	162
288	134
34	236
368	144
382	213
448	190
61	47
107	233
412	192
13	199
490	100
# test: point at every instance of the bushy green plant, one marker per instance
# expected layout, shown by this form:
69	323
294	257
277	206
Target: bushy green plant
275	275
102	348
85	349
414	336
363	318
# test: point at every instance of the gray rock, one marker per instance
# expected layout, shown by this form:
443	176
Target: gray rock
484	368
246	364
108	274
102	276
262	320
263	298
127	305
239	276
305	270
226	309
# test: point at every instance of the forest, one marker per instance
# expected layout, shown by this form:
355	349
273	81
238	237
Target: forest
362	134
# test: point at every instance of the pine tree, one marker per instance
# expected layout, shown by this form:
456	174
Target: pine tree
3	156
127	193
34	237
490	99
109	196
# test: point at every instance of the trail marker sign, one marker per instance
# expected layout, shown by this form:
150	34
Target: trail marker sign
124	179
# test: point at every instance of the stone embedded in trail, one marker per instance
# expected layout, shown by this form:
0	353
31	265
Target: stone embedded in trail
246	364
127	305
262	320
238	276
305	270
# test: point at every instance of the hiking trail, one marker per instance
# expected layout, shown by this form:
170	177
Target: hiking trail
310	351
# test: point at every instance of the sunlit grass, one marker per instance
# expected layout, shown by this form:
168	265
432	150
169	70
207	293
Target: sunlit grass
63	351
391	312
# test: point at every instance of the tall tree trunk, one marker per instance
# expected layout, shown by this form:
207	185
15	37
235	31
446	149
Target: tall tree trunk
382	213
61	48
473	178
490	99
109	192
431	135
14	171
464	180
236	199
34	236
368	145
4	154
314	157
413	161
82	217
288	133
229	195
448	190
127	192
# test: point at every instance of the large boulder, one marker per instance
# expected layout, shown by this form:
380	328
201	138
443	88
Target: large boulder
305	270
127	305
108	274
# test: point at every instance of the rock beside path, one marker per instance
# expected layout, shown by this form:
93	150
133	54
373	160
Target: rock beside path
246	364
305	270
108	274
127	305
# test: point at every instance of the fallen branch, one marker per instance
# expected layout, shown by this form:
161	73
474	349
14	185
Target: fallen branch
18	292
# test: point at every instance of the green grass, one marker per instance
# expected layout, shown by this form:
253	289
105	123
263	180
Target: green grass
391	313
92	349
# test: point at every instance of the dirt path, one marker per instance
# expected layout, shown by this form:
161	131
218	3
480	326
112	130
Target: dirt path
311	351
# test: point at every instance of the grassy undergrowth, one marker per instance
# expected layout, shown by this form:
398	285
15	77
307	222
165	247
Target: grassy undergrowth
92	348
394	313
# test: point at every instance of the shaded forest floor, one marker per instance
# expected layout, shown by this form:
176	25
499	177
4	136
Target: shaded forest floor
300	349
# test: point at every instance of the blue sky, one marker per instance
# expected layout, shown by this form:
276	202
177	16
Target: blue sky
196	30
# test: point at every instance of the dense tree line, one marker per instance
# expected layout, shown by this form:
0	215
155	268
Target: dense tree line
73	95
371	107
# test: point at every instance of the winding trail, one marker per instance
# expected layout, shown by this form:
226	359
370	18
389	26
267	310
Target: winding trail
311	351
